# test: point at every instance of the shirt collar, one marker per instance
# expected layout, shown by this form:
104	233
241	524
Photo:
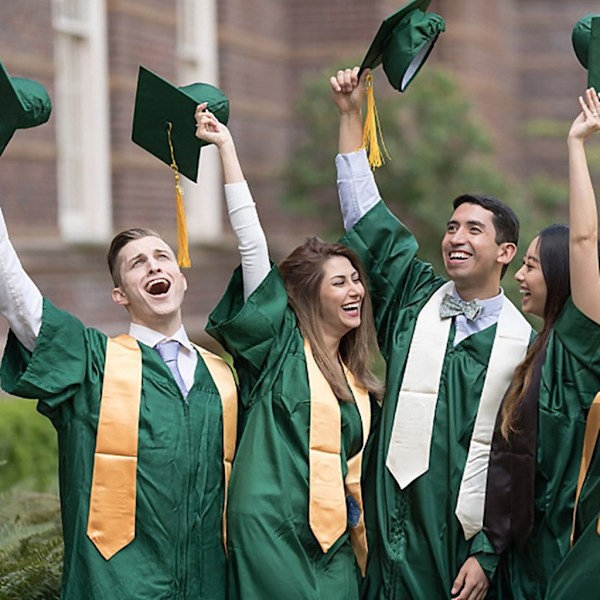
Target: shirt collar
150	337
489	306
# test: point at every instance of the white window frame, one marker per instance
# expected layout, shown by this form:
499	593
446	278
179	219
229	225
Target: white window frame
197	61
81	107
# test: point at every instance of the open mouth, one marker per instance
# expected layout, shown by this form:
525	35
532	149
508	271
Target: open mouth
157	287
353	308
458	255
525	293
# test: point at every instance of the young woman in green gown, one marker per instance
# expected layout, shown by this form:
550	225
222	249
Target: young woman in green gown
298	333
537	451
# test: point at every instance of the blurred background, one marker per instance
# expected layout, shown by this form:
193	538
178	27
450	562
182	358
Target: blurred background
488	114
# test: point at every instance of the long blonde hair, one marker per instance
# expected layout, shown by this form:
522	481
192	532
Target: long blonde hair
302	272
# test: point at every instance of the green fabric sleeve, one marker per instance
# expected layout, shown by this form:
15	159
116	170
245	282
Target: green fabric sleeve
396	278
483	551
248	330
56	366
387	250
580	336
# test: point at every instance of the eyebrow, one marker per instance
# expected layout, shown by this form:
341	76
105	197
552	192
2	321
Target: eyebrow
472	222
134	258
531	258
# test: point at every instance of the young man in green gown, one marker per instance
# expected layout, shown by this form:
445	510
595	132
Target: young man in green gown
146	523
425	485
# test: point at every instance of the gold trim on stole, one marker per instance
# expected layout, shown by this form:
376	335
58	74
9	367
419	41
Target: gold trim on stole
327	510
592	428
111	521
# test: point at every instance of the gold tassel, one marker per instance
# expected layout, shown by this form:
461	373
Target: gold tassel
372	135
183	256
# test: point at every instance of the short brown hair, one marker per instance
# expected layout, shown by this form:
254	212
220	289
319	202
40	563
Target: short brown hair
118	243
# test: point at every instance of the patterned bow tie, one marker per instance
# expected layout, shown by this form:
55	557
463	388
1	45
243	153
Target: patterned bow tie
452	306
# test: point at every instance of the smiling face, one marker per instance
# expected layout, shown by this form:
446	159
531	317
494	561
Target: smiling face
472	258
341	294
532	284
151	285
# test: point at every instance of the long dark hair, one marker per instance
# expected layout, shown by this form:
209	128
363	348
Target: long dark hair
553	248
302	272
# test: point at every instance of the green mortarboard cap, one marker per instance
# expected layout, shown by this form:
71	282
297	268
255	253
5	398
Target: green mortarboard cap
23	103
403	43
158	103
586	43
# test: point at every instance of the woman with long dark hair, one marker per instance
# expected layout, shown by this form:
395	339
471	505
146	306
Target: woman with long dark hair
537	448
302	337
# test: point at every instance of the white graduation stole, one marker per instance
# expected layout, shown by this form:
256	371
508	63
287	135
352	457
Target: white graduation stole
410	441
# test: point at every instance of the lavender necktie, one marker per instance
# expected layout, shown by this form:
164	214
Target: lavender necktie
168	351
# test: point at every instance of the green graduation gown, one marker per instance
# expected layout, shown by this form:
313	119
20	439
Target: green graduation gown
579	572
416	543
570	380
272	550
178	550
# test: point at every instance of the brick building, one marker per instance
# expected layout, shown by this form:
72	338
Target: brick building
66	187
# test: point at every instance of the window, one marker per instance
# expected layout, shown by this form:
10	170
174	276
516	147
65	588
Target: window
197	55
82	120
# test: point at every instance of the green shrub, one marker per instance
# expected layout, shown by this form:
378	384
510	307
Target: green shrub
31	546
28	447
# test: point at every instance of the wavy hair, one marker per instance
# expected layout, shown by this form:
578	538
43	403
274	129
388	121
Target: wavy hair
302	272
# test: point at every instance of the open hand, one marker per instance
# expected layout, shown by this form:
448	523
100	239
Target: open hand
588	121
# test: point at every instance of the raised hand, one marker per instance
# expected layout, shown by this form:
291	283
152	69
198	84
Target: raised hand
588	120
348	90
209	129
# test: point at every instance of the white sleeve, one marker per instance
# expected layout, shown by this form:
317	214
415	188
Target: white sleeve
252	242
20	300
357	189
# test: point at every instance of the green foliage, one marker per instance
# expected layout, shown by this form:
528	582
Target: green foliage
28	447
438	150
545	128
31	547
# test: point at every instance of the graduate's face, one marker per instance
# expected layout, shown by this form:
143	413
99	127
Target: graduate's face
532	284
341	295
152	286
472	258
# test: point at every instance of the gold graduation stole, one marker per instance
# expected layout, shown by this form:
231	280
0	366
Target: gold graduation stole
327	512
592	428
111	521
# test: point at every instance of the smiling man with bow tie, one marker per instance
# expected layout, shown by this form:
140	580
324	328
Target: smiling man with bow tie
451	348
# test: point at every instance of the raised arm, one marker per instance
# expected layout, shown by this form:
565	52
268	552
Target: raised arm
20	300
252	243
357	189
583	212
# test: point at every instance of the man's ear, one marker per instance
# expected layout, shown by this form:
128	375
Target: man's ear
119	297
506	252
